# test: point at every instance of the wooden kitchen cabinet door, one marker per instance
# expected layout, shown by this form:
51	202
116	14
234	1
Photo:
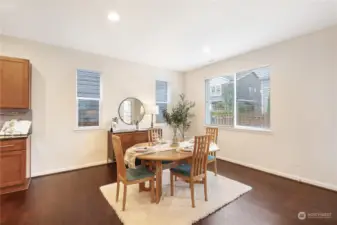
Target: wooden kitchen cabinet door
14	83
12	168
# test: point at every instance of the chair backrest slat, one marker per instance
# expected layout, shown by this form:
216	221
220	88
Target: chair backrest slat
154	134
117	146
213	132
200	153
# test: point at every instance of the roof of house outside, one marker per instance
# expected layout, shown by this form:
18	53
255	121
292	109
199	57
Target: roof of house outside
261	73
220	80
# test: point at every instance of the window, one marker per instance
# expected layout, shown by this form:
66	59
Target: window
244	101
161	99
88	96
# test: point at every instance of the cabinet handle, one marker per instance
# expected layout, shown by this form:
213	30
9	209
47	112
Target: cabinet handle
4	146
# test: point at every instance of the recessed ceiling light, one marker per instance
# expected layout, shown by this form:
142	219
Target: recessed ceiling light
206	49
114	16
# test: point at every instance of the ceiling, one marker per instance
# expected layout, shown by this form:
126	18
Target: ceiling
165	33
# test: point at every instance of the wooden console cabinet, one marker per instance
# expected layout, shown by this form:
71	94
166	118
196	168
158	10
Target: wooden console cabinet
14	83
13	164
128	139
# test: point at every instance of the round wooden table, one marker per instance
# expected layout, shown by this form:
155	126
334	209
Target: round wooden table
158	157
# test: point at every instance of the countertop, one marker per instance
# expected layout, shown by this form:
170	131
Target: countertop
7	137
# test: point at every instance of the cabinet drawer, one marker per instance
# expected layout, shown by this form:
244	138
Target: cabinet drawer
140	137
12	145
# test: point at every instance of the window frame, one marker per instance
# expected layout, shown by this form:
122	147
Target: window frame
77	127
161	102
235	126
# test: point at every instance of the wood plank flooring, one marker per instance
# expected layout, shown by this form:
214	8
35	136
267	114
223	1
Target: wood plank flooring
74	198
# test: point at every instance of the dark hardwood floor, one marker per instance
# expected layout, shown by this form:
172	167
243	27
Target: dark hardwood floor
74	198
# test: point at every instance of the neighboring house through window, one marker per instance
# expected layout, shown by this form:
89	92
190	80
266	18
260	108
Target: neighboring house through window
243	102
161	99
216	89
88	98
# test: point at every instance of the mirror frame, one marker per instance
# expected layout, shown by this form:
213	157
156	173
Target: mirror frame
119	107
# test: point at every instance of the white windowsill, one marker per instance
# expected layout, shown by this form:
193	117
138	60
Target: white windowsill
88	128
161	125
242	129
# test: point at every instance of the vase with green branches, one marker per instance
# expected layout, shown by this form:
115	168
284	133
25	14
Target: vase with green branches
179	118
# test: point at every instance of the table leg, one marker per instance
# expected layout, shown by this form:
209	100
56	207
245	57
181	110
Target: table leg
142	185
159	170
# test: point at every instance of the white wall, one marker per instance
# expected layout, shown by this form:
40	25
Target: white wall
56	145
303	142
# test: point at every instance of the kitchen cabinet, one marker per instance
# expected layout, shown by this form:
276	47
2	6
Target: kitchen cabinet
15	78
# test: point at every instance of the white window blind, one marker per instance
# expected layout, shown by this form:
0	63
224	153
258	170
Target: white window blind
161	99
88	96
243	102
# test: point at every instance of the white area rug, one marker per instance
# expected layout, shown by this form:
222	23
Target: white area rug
177	209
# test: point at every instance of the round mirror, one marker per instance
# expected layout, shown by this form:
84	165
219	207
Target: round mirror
131	110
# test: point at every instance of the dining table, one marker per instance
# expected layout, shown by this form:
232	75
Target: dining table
156	155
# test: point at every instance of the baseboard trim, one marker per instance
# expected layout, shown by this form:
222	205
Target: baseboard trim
67	169
284	175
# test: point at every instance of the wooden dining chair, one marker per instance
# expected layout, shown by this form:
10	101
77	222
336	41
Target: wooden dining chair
154	134
130	176
213	132
197	170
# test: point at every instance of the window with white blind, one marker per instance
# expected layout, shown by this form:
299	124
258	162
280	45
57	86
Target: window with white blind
241	100
161	99
88	98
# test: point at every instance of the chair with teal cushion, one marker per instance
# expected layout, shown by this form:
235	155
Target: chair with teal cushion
210	157
213	132
130	176
184	169
154	135
138	173
197	171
